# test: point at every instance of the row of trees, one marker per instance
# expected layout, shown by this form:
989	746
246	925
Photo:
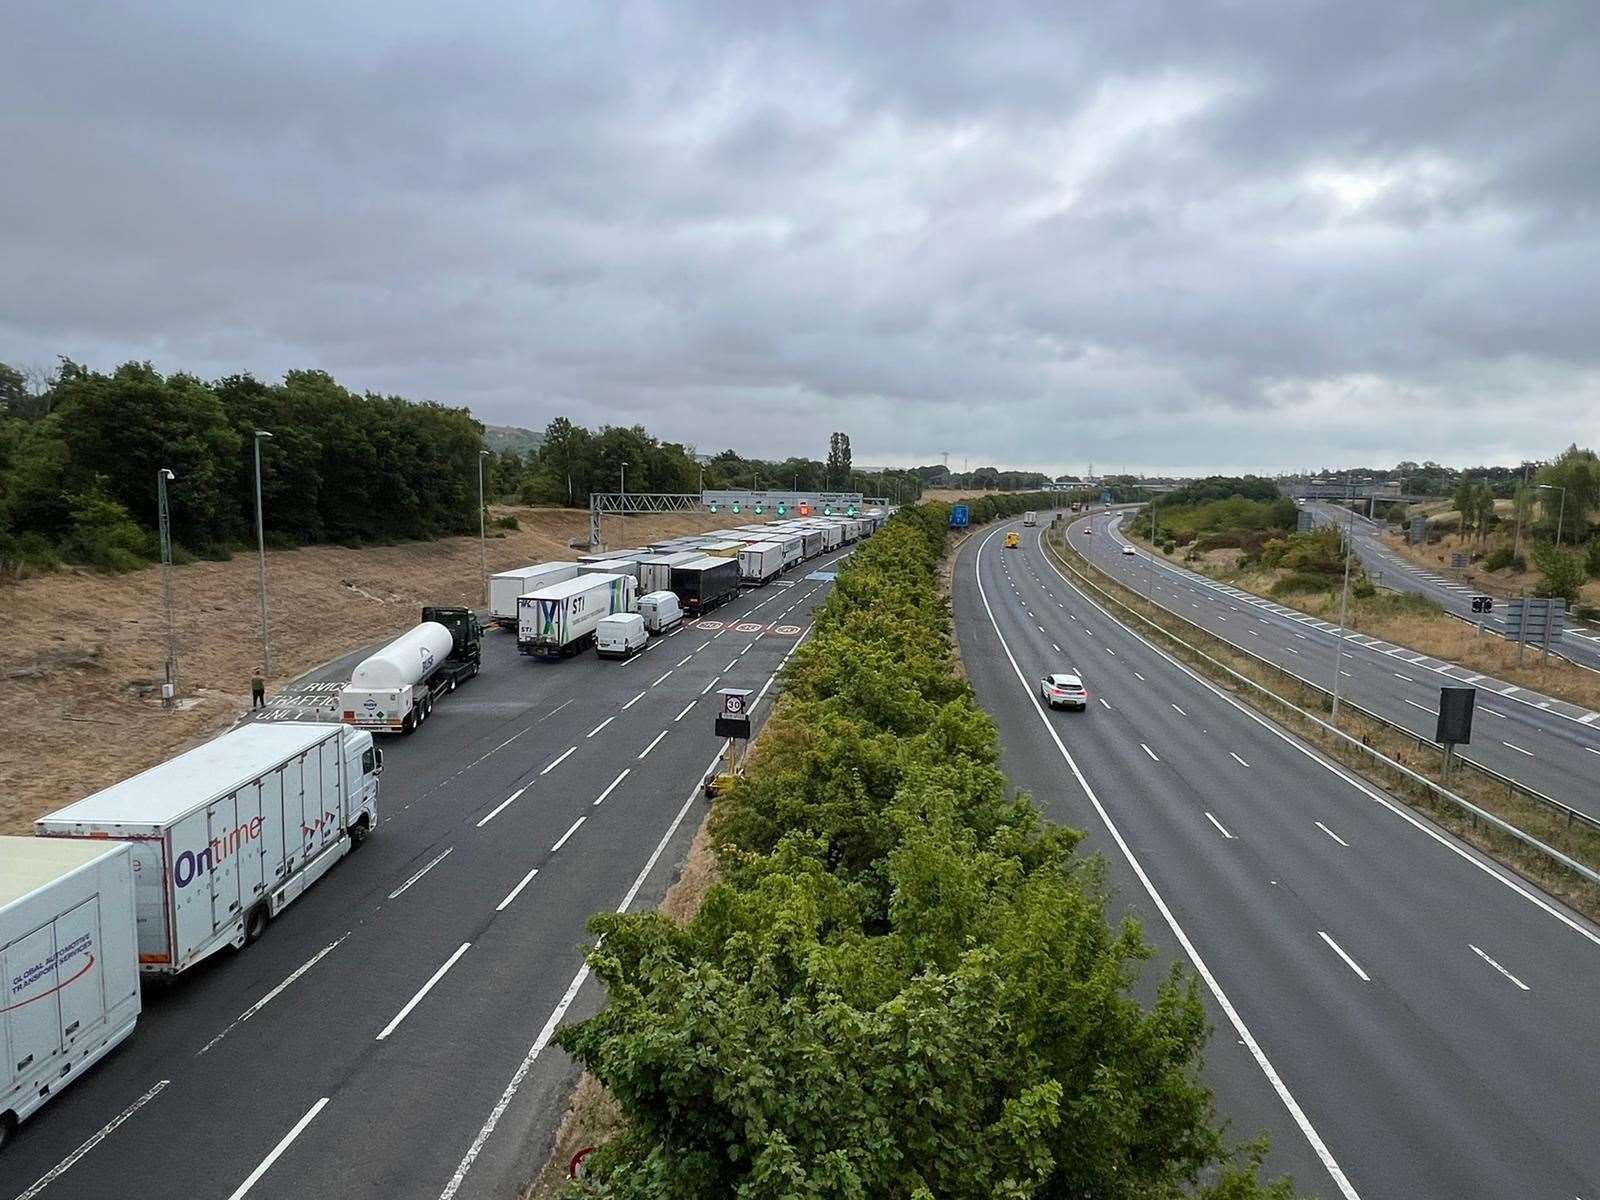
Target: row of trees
905	983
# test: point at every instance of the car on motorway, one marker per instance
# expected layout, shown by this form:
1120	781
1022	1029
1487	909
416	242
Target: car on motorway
1013	540
1128	550
1064	691
1087	530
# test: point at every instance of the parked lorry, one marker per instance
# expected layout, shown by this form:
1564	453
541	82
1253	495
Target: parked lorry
661	610
69	965
612	566
813	542
760	563
226	835
561	620
505	587
726	548
621	635
794	549
394	690
655	572
1030	518
703	583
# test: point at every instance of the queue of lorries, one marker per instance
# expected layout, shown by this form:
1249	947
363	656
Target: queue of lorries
197	854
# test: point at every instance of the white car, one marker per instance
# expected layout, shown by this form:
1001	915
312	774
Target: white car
1128	550
1064	691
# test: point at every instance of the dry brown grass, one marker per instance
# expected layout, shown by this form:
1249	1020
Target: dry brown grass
84	652
1436	558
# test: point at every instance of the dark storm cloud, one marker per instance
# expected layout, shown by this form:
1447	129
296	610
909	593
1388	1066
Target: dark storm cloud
1178	235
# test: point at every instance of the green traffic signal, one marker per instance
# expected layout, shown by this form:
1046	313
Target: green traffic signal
712	507
758	508
735	506
781	509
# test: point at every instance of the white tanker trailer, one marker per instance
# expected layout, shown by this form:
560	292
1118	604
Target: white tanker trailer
394	689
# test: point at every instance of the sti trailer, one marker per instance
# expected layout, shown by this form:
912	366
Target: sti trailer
563	619
226	835
69	965
505	587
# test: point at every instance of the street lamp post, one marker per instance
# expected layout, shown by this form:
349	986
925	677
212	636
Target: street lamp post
1522	495
164	524
1150	562
483	539
1561	512
1344	602
261	554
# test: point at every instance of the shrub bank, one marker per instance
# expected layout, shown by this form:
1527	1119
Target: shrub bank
906	983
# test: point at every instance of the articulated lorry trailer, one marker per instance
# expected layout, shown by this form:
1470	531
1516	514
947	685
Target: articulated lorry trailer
505	587
69	965
225	836
760	563
655	572
562	619
704	583
394	690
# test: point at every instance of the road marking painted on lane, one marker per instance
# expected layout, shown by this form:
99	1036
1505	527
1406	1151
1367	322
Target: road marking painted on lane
685	711
1055	647
558	761
632	702
709	686
431	865
516	891
1333	835
732	663
1518	749
1499	968
600	726
610	787
1348	961
1110	651
1407	678
1179	711
1423	707
1149	751
110	1127
423	991
277	1151
1220	829
1041	629
1103	702
1291	650
501	807
1592	750
663	677
1139	677
1237	759
273	994
683	660
1318	1146
1493	712
562	840
653	743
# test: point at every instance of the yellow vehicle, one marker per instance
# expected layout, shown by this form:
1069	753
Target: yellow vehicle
1013	540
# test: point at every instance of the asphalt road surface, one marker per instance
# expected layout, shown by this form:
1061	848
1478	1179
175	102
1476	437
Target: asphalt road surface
1402	1017
1579	644
385	1038
1548	745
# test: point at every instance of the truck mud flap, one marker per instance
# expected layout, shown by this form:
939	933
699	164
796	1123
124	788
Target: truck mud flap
309	874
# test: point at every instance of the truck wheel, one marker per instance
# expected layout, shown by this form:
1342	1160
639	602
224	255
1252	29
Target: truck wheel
255	923
359	832
410	722
8	1128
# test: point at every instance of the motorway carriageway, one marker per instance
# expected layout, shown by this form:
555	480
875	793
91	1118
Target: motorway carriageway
1549	746
385	1038
1402	1016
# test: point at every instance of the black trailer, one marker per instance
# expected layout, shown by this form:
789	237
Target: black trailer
703	584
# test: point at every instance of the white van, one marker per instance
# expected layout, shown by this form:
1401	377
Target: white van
660	610
620	635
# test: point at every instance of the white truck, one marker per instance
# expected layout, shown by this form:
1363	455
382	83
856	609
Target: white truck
621	635
394	690
612	566
794	549
760	563
655	572
505	587
562	619
1030	518
69	965
226	835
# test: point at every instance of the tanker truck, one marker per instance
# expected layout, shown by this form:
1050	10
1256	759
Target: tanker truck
394	690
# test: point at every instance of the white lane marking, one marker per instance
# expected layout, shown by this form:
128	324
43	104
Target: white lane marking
1592	750
558	761
94	1139
664	677
1179	711
1149	751
1318	1146
752	646
632	702
1220	829
1407	678
1055	647
1423	707
1041	629
1518	749
732	663
709	686
683	660
685	711
560	1010
1499	968
1110	651
431	865
653	743
1348	961
601	726
610	787
562	840
273	994
1237	759
423	991
277	1151
1291	650
1333	835
516	891
501	807
703	645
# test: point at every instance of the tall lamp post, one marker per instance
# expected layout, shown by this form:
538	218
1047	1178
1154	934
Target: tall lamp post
164	523
1344	597
1522	496
483	538
1561	512
261	556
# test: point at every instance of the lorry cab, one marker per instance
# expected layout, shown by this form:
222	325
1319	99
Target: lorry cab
1013	540
363	763
621	635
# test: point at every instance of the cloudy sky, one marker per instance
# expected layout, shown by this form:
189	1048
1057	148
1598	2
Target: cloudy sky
1172	236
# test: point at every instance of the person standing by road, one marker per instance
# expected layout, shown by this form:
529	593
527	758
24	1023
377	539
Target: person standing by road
258	690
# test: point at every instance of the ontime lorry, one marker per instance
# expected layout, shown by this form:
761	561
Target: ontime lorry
703	583
394	690
69	965
225	836
505	587
561	620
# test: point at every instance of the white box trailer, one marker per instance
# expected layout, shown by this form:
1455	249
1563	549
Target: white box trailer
505	587
69	965
562	620
612	566
760	563
794	550
1030	518
226	835
655	573
728	548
